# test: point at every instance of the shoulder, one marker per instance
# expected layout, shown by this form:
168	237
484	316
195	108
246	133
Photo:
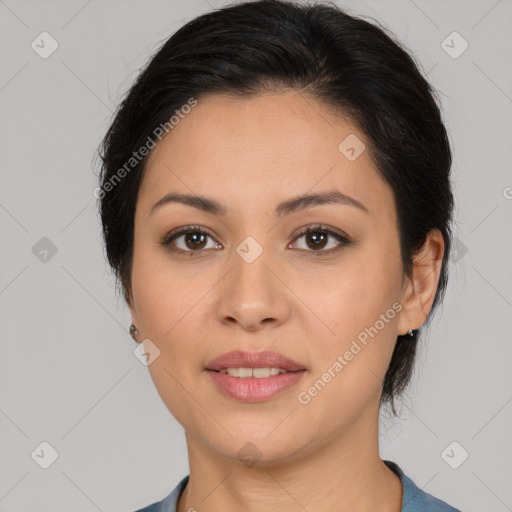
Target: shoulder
169	503
416	500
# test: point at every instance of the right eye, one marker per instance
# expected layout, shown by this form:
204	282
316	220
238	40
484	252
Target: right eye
194	239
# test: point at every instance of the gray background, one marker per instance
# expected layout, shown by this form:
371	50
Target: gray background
68	375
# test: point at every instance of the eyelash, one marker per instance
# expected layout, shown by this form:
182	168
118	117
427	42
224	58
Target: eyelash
166	242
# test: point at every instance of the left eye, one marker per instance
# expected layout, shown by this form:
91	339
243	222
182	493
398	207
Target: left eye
316	238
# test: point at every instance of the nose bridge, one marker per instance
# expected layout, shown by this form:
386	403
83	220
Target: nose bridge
251	292
251	274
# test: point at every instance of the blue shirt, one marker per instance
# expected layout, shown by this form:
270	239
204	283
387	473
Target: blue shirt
413	498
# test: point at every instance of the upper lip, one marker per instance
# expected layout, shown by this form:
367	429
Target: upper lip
241	359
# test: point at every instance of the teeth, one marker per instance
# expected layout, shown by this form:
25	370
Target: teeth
258	373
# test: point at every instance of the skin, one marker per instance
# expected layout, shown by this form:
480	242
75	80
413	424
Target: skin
250	154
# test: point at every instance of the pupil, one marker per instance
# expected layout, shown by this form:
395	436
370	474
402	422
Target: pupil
196	238
318	237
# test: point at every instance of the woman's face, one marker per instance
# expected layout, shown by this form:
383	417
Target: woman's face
254	284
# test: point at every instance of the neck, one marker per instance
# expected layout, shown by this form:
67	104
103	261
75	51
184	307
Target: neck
344	474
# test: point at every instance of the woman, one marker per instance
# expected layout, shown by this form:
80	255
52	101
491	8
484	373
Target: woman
276	205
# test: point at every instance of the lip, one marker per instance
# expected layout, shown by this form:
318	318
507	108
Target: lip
241	359
254	389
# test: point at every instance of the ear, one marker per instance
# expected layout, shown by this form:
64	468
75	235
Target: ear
420	290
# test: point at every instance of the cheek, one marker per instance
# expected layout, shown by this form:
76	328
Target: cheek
165	291
177	391
171	299
355	308
168	304
344	299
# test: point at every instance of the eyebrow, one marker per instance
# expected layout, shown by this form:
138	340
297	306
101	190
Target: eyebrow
209	205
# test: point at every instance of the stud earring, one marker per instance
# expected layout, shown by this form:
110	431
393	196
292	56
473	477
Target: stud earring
410	333
133	332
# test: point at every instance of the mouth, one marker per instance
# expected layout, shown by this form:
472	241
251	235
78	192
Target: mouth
254	377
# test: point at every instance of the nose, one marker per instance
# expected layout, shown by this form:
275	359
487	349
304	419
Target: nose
254	294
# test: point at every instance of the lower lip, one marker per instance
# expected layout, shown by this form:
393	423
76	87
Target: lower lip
252	389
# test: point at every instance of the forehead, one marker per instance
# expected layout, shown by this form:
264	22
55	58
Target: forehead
260	150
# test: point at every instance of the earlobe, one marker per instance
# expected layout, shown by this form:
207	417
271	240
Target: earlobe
421	288
133	332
